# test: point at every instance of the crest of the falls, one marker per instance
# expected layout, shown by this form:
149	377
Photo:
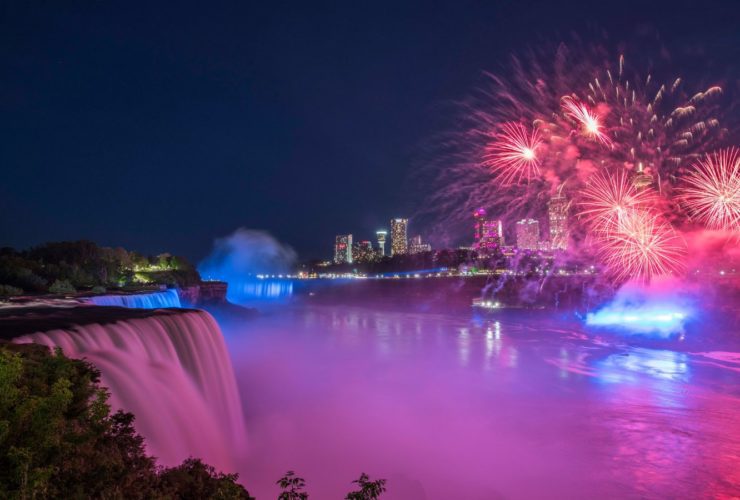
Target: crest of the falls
173	371
154	300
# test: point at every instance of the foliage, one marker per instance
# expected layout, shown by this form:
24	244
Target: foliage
84	265
292	487
195	480
369	490
98	289
9	291
62	286
58	438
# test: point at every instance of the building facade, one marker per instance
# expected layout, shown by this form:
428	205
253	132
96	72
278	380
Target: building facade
528	234
381	242
399	236
488	233
363	252
343	249
417	246
641	179
557	211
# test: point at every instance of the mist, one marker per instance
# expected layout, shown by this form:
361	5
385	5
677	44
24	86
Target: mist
244	259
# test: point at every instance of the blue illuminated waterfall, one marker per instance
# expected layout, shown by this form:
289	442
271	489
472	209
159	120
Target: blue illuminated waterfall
155	300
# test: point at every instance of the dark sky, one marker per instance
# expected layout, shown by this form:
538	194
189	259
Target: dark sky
158	127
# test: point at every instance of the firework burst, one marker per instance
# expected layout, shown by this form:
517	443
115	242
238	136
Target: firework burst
513	152
608	197
619	145
587	121
711	191
641	246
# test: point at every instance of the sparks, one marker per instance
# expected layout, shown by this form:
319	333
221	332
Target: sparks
712	190
512	153
641	245
589	122
608	197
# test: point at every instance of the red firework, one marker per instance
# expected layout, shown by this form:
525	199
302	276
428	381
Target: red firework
640	245
607	197
587	120
712	190
512	155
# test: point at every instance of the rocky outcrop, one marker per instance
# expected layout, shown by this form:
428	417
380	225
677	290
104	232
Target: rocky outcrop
207	292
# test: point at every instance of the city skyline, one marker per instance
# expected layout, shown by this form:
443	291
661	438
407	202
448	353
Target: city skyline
488	234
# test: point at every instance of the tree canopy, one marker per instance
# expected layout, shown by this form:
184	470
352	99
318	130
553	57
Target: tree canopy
58	438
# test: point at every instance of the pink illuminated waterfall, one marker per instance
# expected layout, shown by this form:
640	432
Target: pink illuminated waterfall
172	370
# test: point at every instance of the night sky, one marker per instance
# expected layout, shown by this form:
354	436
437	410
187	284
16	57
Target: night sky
160	127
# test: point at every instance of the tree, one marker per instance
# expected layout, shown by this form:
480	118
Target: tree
369	490
292	487
195	480
58	438
62	286
9	291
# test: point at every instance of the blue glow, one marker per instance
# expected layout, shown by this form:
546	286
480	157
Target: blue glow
662	319
659	309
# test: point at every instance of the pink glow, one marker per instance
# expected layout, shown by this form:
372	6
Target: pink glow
173	373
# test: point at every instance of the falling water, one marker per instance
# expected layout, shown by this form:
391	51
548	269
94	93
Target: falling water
256	290
156	300
172	371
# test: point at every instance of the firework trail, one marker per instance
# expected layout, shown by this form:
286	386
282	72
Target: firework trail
628	152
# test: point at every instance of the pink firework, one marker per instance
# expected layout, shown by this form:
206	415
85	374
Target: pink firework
607	197
640	245
587	120
712	190
512	154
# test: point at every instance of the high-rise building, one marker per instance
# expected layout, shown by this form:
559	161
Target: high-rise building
417	246
557	211
528	234
363	252
488	234
399	236
343	249
641	179
381	241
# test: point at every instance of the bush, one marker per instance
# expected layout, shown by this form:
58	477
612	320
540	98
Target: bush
98	289
58	438
195	480
9	291
62	286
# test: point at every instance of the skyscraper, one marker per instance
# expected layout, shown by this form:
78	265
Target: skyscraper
641	179
528	234
343	249
417	246
363	252
557	211
488	233
381	242
399	236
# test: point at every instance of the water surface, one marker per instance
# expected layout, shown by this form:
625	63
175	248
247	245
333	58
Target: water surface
511	405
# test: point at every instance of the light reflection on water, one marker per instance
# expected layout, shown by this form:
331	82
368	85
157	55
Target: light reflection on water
449	407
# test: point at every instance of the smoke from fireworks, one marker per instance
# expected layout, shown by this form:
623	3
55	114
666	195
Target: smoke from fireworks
624	149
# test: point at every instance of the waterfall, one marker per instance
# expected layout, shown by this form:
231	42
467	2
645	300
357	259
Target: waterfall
155	300
173	372
244	292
